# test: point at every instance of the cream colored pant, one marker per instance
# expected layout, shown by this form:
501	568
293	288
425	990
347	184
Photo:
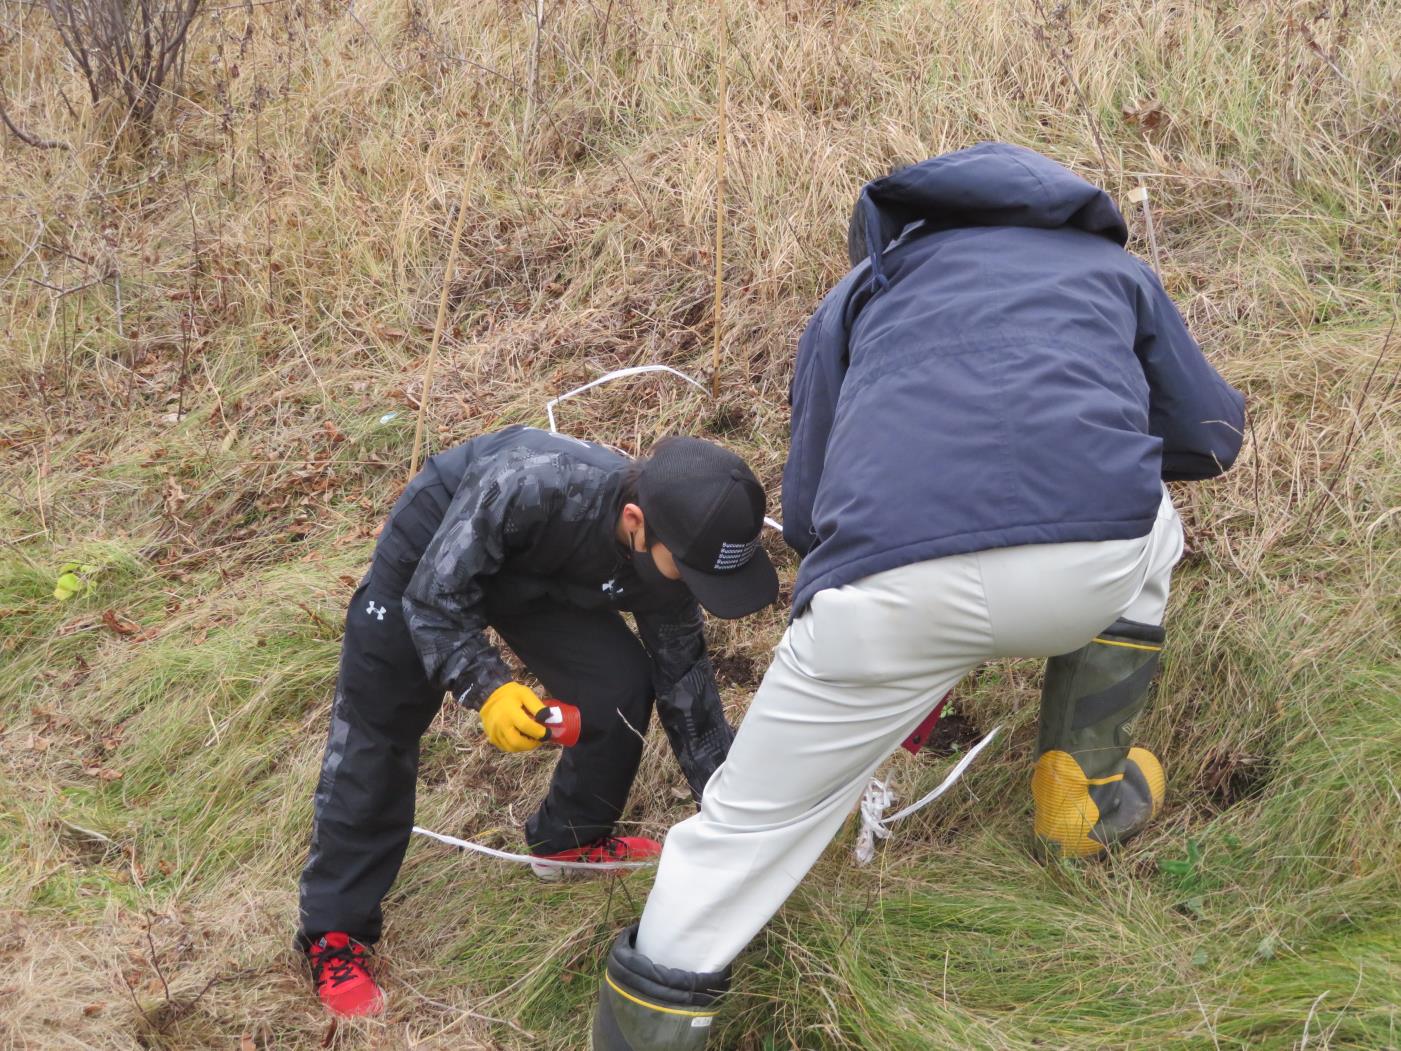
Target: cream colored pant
851	679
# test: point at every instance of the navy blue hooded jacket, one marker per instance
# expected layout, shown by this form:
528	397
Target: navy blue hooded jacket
997	371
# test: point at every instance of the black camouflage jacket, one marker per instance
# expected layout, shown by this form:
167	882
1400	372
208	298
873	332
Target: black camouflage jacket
522	515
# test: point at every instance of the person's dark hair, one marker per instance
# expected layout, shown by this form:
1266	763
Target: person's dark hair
632	475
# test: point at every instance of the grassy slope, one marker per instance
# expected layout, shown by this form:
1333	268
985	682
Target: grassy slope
284	233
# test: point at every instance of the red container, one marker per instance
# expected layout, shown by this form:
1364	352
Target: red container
562	721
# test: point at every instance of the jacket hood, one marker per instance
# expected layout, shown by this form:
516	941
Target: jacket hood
991	184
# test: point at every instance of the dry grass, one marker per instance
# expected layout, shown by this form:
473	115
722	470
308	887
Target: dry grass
258	273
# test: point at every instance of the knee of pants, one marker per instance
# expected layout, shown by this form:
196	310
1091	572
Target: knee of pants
616	728
627	693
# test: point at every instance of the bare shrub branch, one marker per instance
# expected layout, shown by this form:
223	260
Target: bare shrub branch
24	136
128	46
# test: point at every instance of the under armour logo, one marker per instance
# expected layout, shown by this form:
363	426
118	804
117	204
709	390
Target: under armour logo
376	611
610	587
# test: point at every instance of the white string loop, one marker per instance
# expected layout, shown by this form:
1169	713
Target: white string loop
877	797
616	374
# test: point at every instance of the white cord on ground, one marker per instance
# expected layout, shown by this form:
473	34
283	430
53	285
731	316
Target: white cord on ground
607	377
528	859
877	797
874	802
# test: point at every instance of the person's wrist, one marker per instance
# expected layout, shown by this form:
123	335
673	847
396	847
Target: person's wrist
474	695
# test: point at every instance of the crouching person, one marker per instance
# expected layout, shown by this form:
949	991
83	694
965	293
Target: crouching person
545	539
983	411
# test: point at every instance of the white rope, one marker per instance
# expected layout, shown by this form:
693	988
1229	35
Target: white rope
608	377
877	797
528	859
874	802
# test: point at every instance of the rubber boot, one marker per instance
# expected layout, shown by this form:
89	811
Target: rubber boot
646	1007
1091	789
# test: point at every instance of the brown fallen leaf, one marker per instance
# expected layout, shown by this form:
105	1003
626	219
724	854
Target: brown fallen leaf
1149	115
246	1043
119	624
93	1009
175	497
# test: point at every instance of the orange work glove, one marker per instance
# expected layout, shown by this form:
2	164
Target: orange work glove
509	718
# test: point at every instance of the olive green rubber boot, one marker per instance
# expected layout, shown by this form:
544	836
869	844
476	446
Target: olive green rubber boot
1091	789
646	1007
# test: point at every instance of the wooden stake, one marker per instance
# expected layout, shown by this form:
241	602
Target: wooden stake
720	197
533	76
442	309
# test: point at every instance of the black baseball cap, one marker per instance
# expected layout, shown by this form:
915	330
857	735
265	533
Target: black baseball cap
704	503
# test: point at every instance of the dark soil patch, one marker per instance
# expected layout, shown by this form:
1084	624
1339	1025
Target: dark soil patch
1229	776
952	734
728	419
735	669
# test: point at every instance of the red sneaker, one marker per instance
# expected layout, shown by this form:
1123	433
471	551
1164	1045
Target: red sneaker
342	982
609	848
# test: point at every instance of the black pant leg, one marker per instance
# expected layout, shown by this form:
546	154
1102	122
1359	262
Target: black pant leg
588	658
364	801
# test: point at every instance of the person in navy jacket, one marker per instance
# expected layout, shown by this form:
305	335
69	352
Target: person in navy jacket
984	413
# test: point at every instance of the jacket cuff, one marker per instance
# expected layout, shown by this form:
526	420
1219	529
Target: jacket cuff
473	692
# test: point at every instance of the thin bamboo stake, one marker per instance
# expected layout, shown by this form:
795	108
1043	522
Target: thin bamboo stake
442	309
533	76
1139	195
720	197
